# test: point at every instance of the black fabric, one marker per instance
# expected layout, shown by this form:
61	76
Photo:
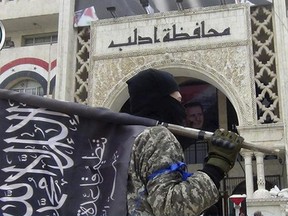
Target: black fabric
150	91
148	86
60	163
215	173
99	113
165	109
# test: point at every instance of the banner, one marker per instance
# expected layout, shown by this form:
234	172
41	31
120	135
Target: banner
63	158
84	17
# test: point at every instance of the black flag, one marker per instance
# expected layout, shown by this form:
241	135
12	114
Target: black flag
63	158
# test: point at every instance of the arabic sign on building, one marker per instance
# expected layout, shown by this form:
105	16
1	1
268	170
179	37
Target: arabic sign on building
2	35
170	30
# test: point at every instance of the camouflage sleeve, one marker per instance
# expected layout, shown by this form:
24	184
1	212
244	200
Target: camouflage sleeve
167	193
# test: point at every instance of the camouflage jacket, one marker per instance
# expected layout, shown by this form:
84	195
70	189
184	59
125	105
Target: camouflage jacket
155	190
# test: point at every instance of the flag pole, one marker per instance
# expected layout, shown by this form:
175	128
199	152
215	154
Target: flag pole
204	135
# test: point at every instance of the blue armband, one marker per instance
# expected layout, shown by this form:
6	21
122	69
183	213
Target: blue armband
172	168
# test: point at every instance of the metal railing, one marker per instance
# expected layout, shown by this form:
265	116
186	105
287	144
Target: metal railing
237	184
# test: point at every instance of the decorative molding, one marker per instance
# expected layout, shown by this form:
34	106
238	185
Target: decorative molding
82	65
265	70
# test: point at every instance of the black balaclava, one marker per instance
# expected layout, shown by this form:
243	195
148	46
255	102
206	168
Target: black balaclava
150	91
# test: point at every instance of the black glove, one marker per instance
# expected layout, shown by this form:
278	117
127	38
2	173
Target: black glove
223	149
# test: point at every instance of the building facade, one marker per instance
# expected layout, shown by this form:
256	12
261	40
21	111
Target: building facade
233	55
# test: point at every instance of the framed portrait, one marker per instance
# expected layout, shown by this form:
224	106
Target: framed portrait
206	96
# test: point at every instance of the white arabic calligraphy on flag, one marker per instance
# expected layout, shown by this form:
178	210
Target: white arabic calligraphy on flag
59	163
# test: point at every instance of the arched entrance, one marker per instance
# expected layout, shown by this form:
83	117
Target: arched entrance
183	73
216	110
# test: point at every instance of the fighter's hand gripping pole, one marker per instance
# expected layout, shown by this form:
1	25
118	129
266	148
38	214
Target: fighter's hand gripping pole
200	134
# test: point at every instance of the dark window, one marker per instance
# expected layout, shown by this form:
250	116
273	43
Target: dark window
32	40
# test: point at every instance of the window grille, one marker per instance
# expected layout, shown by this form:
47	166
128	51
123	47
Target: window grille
29	87
82	65
265	70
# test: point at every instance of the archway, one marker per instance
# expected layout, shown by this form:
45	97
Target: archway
118	95
211	98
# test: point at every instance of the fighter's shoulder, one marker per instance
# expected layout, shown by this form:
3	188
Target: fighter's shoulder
156	132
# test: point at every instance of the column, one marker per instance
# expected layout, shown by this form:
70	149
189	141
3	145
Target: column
280	26
261	192
66	51
260	170
247	155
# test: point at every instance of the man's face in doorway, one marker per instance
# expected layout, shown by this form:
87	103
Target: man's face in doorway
195	117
